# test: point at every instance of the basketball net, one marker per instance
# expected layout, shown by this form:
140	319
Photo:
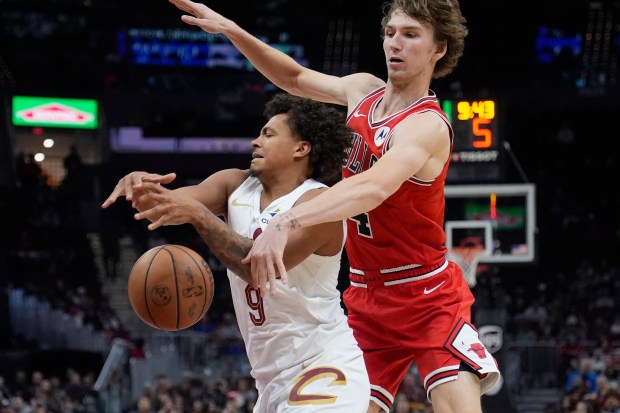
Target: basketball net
467	257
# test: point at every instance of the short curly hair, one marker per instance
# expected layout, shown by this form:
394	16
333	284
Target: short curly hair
320	124
447	21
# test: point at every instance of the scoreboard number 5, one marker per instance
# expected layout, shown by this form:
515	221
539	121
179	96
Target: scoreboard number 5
485	134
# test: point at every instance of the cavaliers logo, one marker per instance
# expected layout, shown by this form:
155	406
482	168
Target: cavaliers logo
335	377
160	295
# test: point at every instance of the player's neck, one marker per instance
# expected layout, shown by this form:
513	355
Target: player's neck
398	97
277	187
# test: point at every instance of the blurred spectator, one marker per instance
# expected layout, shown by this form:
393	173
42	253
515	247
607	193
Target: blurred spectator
233	403
566	404
613	368
614	328
401	404
5	393
143	405
74	389
197	406
611	403
21	386
29	172
167	404
582	375
18	405
583	407
246	389
5	405
73	162
536	314
570	350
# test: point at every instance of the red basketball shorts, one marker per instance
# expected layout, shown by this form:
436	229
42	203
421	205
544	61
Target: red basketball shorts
426	321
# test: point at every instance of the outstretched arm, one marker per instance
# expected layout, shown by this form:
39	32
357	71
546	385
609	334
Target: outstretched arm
176	207
180	206
278	67
198	204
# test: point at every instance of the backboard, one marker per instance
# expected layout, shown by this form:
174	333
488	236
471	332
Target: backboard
500	217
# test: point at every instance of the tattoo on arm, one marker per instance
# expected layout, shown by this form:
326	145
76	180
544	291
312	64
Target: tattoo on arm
228	246
289	219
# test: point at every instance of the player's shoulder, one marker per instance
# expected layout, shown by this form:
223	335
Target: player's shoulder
231	174
310	193
358	85
228	178
427	128
371	80
428	118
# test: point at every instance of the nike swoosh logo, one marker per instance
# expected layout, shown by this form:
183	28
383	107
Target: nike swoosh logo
306	363
428	291
235	203
357	114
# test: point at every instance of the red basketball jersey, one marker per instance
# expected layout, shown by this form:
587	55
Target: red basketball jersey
403	236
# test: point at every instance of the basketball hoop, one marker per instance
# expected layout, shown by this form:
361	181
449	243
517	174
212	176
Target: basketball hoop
467	257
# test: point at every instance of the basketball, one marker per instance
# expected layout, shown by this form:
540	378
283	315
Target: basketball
170	287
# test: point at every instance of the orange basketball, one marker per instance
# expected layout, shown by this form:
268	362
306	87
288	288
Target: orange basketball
170	287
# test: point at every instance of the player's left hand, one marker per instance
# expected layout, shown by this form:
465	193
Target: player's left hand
170	208
266	256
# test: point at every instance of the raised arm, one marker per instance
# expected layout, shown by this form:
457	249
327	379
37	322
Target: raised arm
278	67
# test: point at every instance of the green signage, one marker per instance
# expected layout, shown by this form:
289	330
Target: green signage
55	112
506	218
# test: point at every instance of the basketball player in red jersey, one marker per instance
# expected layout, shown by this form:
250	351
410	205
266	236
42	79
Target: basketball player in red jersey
406	302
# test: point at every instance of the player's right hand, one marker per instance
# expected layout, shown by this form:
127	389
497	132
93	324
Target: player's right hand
266	257
133	181
201	16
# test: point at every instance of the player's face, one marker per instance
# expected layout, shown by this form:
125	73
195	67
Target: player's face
274	148
410	48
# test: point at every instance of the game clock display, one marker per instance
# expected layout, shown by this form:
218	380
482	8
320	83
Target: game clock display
476	156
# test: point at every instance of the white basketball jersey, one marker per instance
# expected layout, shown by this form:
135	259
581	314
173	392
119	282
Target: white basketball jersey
305	316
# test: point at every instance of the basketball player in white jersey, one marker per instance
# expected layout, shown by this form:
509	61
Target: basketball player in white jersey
303	354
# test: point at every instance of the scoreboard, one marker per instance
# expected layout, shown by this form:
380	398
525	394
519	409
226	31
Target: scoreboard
476	155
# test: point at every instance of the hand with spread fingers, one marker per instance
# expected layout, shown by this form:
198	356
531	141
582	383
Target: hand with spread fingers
164	207
132	182
201	16
266	255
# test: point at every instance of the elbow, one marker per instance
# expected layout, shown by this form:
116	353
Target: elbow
286	77
291	86
377	193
